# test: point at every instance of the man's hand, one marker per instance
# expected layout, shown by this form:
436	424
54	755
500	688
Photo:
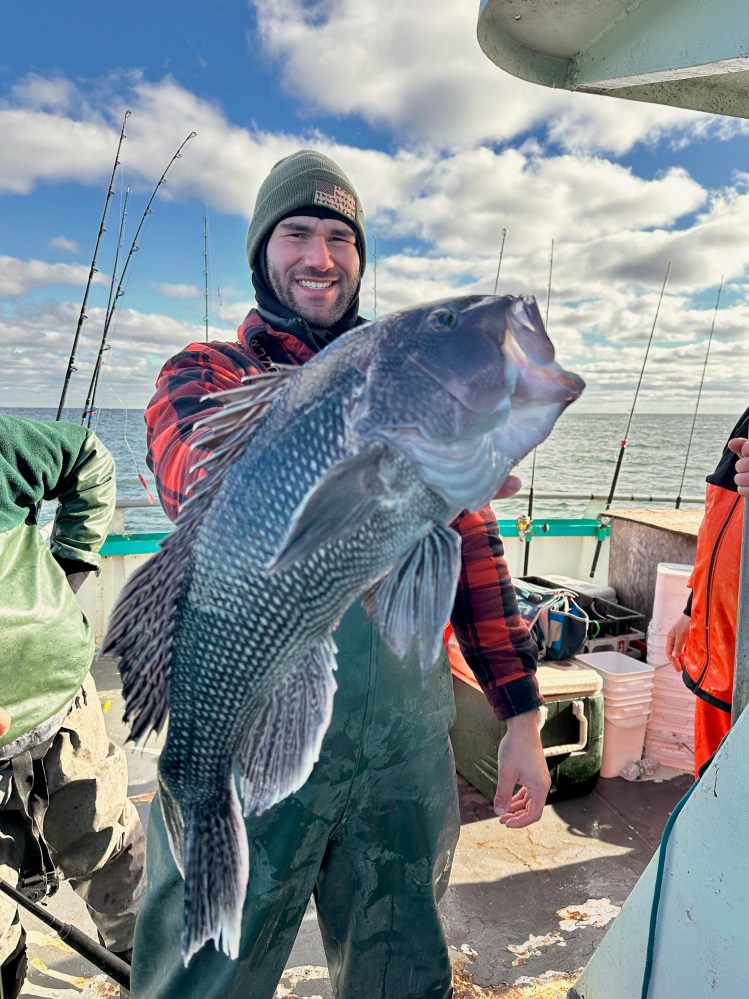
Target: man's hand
4	722
509	487
740	446
675	640
521	761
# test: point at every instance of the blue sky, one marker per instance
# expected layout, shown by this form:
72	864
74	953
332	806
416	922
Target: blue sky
444	148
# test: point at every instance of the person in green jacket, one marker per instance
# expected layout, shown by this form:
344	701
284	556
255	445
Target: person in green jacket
63	784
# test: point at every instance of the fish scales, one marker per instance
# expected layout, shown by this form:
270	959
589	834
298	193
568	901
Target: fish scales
331	482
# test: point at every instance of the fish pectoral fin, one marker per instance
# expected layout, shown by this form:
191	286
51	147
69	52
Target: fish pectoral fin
415	599
283	744
347	496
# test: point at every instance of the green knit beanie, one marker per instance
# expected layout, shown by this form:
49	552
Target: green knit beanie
305	179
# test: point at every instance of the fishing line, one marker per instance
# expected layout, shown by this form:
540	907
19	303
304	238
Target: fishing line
699	394
205	273
141	476
623	442
88	408
532	486
209	273
82	316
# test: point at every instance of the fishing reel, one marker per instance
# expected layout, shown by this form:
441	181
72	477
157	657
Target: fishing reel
527	528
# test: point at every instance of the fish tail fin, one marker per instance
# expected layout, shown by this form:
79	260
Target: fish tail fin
217	868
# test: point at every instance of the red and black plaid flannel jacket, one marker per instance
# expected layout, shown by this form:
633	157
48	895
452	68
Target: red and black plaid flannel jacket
492	637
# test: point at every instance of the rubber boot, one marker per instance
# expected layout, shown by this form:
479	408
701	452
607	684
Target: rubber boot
13	970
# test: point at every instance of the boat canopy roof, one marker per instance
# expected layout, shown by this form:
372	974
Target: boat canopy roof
683	53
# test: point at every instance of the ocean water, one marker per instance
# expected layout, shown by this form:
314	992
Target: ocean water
579	457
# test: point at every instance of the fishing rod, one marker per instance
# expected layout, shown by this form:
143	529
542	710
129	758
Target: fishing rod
623	442
499	263
119	292
205	273
696	408
532	486
375	275
99	956
88	408
92	271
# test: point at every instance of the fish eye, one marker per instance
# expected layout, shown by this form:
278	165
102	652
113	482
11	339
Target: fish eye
443	320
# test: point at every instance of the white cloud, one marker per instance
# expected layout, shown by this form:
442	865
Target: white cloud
51	146
18	277
439	213
186	291
44	93
63	243
139	345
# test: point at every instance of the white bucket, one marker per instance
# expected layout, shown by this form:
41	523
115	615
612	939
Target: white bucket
630	715
622	700
615	666
676	694
672	709
658	659
675	760
671	593
622	742
674	699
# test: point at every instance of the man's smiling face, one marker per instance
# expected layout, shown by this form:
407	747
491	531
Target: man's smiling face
313	266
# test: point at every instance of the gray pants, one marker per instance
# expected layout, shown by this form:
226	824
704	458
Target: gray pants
91	829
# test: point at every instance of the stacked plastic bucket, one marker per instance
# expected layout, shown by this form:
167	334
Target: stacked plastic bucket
670	730
627	696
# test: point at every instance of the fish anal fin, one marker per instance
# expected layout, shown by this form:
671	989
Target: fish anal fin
282	746
347	496
415	599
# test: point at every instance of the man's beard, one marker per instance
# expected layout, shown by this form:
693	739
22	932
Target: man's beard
282	288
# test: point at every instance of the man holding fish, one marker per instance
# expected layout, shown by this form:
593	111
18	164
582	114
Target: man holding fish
358	806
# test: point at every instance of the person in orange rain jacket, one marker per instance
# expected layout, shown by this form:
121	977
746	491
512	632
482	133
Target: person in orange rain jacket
702	642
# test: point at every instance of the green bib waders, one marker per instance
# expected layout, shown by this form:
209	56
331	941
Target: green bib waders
372	833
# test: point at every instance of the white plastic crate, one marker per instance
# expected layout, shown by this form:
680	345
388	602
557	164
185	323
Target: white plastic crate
612	643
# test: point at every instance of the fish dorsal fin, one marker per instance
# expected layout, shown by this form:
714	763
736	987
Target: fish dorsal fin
346	497
229	429
282	746
142	623
415	599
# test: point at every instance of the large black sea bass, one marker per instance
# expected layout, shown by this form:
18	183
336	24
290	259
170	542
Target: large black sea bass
330	482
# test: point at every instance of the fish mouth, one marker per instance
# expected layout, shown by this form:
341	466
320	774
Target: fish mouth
548	383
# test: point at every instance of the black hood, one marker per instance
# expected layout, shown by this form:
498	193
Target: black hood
281	317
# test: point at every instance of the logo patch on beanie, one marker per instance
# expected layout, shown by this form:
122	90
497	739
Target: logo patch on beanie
333	196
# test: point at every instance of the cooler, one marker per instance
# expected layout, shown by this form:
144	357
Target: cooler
572	732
